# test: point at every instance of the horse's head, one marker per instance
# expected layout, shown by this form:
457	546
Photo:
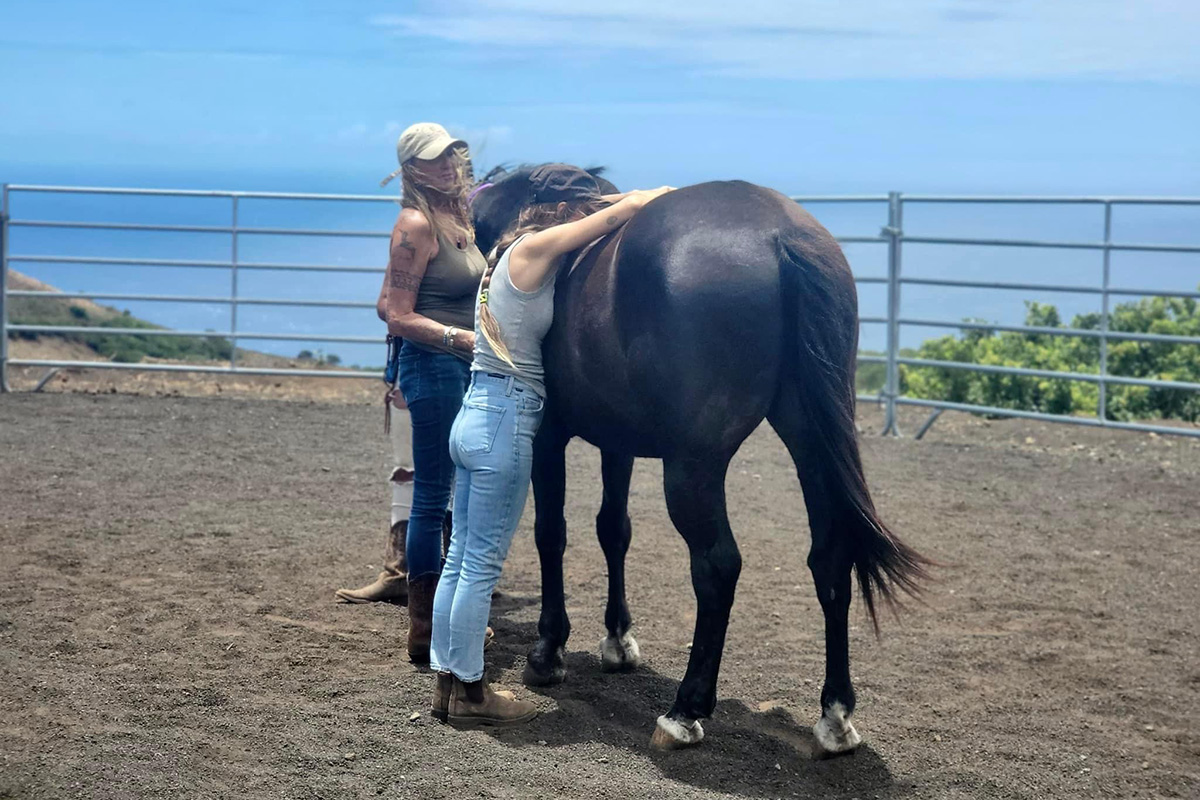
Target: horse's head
495	207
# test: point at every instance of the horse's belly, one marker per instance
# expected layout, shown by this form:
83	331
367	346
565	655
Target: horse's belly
620	436
610	416
650	403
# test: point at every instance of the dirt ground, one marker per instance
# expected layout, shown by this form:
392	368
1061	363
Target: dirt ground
368	390
167	624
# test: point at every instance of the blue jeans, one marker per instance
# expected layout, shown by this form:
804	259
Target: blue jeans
433	385
492	444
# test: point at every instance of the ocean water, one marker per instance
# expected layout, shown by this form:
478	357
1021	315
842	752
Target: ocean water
1131	224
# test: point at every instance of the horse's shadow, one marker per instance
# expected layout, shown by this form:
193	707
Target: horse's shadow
745	752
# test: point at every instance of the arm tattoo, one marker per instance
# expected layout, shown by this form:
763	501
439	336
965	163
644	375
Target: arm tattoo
410	251
400	279
612	220
405	281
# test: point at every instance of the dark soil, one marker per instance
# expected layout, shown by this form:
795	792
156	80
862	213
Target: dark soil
167	624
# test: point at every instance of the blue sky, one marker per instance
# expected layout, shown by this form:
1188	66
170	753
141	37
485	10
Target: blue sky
1096	96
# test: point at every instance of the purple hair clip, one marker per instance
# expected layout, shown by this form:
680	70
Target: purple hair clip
475	191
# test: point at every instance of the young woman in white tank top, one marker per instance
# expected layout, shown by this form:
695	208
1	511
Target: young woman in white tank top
492	438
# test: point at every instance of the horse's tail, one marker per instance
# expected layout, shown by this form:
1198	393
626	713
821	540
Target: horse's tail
813	267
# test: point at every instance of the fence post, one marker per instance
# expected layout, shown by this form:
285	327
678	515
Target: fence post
1102	405
894	231
4	289
233	288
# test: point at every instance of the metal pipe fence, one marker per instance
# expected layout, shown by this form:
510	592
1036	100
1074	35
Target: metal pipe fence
895	321
234	300
1104	333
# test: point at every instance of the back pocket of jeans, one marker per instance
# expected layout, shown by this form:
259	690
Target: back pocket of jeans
478	426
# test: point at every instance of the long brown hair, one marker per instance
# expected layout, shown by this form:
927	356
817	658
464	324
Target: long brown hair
531	220
447	212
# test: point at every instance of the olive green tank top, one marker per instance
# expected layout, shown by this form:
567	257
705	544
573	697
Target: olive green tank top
447	292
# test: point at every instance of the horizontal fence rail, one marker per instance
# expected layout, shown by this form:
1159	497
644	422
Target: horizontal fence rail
891	234
1105	290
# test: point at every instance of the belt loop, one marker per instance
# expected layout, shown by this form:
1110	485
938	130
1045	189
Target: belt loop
508	385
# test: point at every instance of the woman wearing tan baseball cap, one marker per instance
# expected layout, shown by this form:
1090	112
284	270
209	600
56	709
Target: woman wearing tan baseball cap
428	301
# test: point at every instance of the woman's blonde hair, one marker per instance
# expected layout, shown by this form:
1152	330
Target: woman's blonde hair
447	212
531	220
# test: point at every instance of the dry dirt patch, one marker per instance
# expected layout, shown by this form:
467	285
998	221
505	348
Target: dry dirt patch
167	567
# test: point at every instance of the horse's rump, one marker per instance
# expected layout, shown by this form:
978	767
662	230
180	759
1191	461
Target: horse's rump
681	310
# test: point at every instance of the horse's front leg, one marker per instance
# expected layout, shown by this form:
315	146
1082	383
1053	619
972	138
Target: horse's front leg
618	650
547	660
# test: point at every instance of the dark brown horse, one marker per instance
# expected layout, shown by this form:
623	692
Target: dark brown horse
716	307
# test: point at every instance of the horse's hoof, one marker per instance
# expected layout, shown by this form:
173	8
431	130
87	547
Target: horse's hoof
674	734
835	733
620	654
545	670
553	677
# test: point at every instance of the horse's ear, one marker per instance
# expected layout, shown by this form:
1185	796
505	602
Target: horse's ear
606	186
494	174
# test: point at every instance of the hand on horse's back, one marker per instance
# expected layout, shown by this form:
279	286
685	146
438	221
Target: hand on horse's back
537	254
647	195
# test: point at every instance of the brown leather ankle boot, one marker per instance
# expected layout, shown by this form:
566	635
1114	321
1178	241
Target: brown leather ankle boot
442	691
420	617
441	696
392	584
475	704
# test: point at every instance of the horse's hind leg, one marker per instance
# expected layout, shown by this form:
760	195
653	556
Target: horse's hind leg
830	561
695	489
618	650
547	662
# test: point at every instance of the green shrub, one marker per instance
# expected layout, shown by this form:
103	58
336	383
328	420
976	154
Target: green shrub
1174	316
128	356
872	375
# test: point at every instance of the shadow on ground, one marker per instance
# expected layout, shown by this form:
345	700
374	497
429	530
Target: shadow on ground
745	752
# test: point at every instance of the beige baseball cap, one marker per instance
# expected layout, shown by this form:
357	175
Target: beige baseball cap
424	140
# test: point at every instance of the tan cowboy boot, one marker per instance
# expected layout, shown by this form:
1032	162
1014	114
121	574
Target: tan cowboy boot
420	617
474	705
392	584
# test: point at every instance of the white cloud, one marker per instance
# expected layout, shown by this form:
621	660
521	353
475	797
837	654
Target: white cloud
872	39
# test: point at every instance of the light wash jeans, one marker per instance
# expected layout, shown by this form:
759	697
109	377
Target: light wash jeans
492	446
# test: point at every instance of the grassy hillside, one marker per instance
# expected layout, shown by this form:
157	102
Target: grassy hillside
117	347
